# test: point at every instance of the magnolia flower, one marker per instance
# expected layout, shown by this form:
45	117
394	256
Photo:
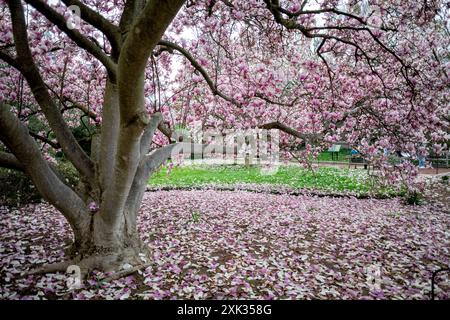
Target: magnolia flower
93	207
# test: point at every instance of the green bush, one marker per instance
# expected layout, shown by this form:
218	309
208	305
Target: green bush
69	173
17	189
413	197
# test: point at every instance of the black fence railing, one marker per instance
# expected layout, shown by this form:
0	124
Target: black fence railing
433	280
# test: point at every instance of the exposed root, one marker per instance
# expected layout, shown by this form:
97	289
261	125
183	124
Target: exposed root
127	272
114	265
52	268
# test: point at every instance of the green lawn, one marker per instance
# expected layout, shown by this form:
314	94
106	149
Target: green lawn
325	178
327	156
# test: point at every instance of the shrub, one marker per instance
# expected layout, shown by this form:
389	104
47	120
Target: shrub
413	197
69	172
16	188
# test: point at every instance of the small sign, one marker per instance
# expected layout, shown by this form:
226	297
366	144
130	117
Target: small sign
335	148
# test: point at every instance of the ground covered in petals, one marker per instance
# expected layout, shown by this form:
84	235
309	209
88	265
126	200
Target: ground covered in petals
225	245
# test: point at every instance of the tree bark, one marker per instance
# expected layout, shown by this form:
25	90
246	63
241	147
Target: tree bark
143	36
9	161
109	133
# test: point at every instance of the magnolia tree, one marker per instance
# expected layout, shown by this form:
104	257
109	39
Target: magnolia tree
373	74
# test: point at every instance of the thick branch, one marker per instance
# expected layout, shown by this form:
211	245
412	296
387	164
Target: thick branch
165	130
98	21
69	144
131	11
149	132
54	145
152	161
288	130
10	60
8	160
142	38
147	164
16	137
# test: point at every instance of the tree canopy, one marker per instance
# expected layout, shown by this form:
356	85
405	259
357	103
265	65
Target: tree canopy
373	74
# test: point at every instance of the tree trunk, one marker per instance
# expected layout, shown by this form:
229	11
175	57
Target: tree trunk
114	179
111	245
108	248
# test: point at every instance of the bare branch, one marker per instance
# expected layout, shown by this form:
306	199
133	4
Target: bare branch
200	69
10	60
291	24
54	145
288	130
289	104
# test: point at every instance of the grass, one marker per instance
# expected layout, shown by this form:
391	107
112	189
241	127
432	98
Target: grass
327	156
324	178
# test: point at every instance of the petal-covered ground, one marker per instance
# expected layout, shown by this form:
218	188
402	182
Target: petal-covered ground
224	245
